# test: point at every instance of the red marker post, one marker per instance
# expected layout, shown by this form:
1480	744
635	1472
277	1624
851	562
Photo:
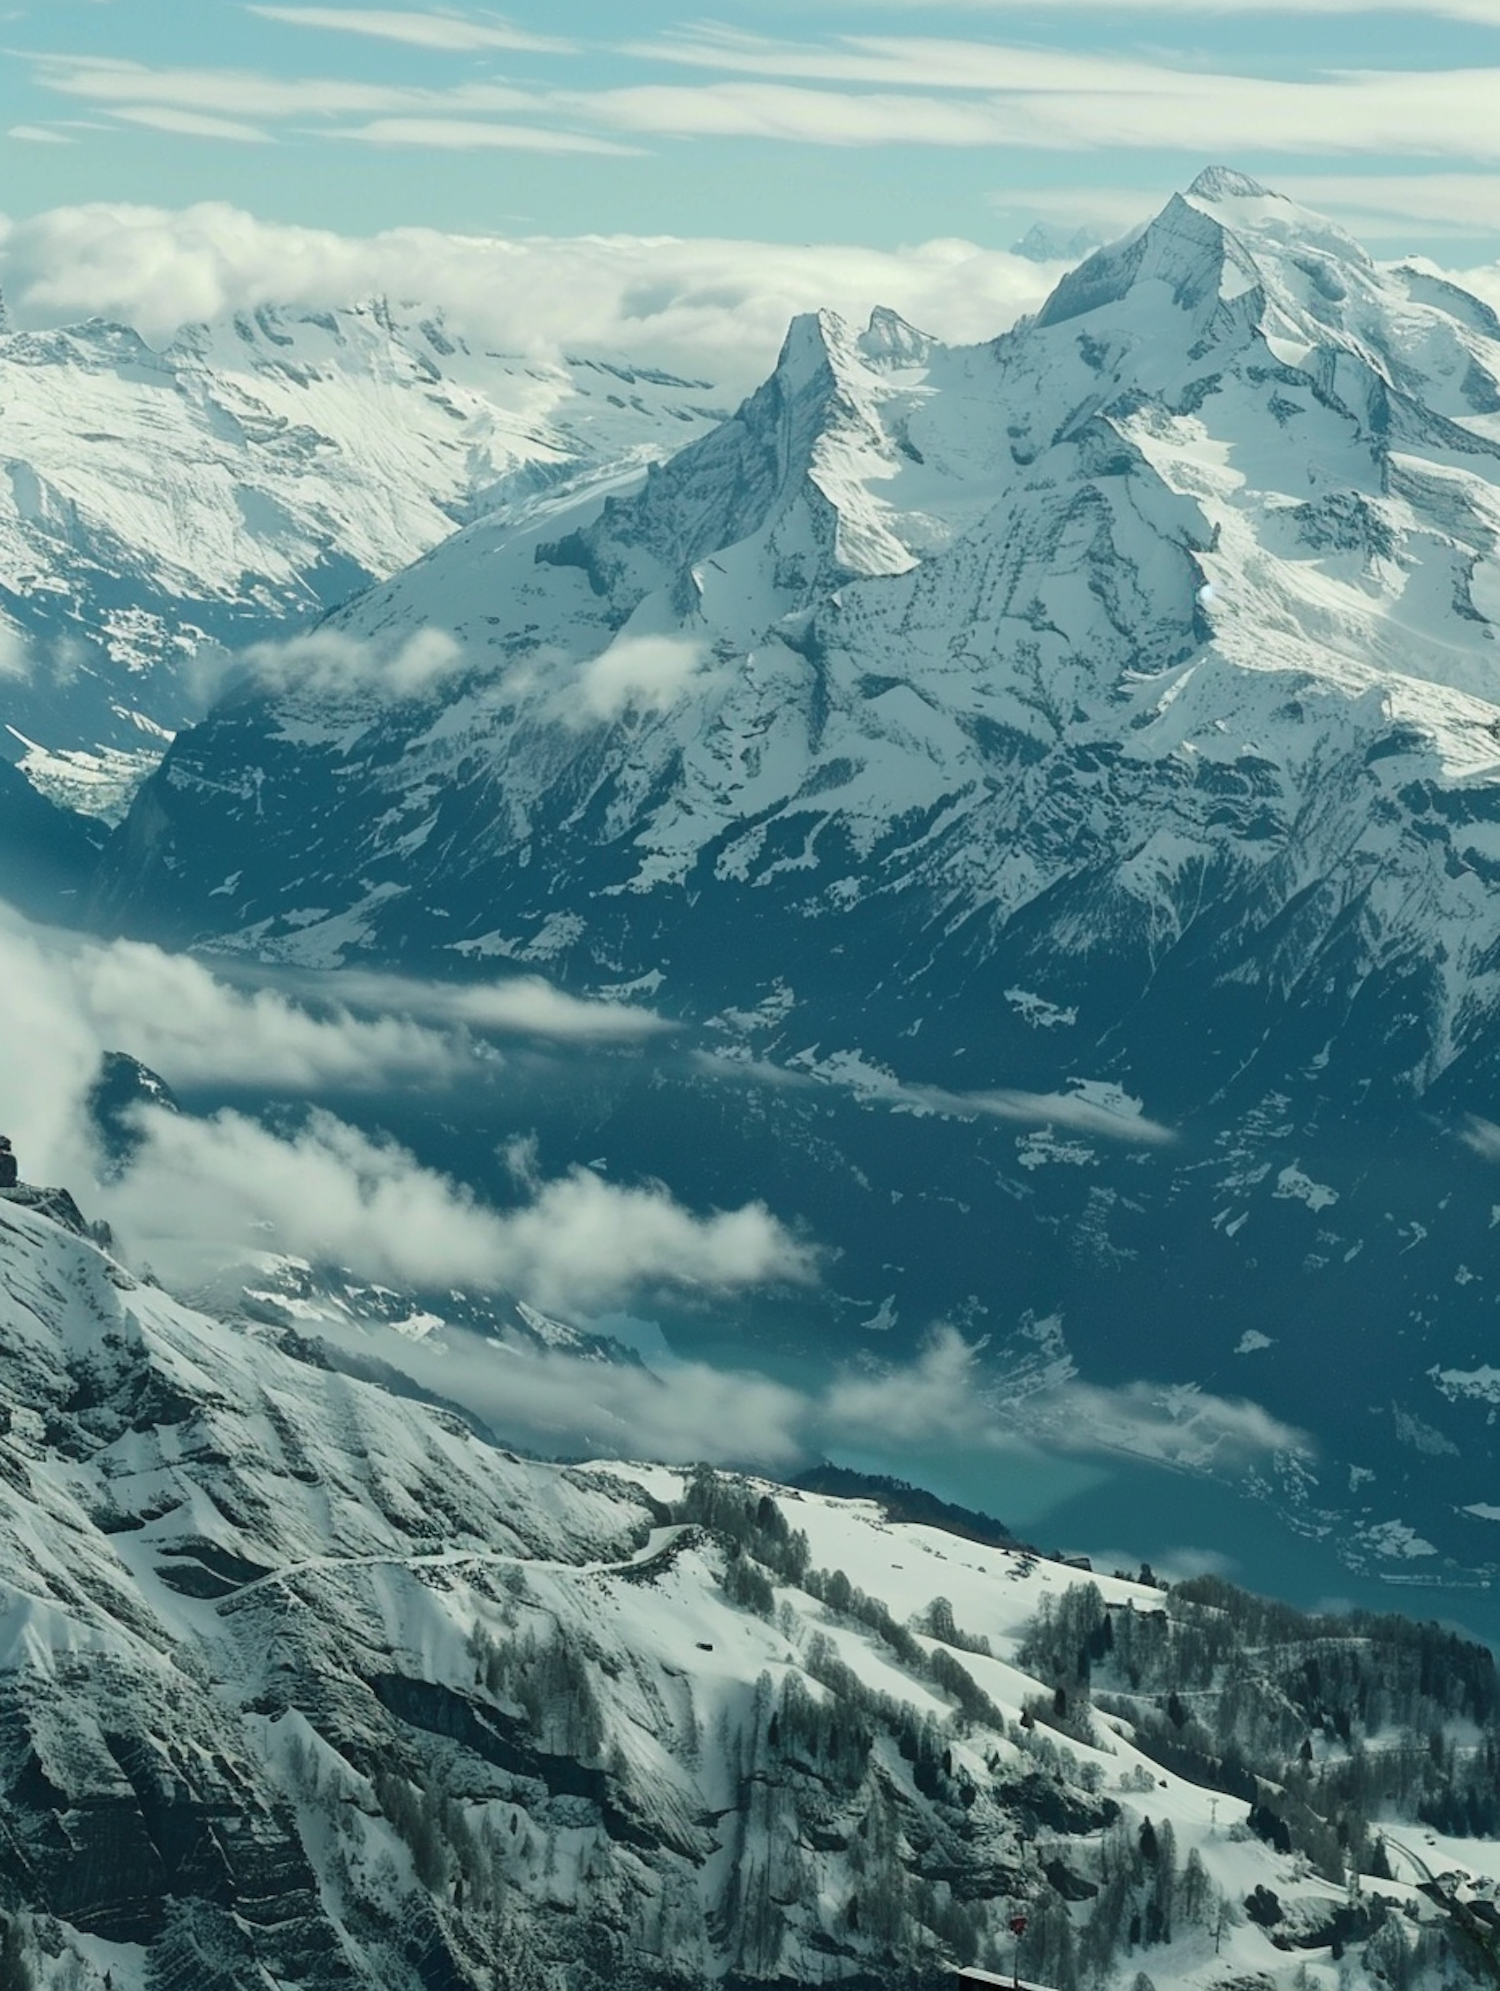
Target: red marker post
1017	1929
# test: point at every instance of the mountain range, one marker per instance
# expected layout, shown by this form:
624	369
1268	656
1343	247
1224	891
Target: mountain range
1052	785
159	500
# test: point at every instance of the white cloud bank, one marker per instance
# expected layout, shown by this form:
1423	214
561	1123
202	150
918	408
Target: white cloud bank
73	999
68	1000
201	1192
175	1016
714	307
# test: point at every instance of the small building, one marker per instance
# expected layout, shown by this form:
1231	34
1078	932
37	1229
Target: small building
9	1173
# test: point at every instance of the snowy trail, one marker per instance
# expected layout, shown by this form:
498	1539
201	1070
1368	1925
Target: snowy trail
656	1544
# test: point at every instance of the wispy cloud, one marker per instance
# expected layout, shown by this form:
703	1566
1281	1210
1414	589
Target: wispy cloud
913	62
989	94
470	135
1483	1136
1095	1108
326	663
943	1395
522	1003
1102	1111
1177	1425
447	33
238	93
40	134
1381	204
191	124
1484	13
803	116
1051	100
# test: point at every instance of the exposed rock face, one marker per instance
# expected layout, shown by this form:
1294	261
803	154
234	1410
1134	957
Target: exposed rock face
122	1086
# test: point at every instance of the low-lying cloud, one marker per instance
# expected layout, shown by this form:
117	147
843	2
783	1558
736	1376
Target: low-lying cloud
333	1194
169	1011
638	673
943	1396
69	1000
1095	1107
1483	1136
15	661
523	1004
326	663
714	307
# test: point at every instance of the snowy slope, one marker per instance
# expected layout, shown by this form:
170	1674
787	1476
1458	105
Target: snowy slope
306	1685
251	473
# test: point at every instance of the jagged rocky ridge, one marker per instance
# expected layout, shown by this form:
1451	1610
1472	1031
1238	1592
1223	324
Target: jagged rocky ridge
1057	779
307	1685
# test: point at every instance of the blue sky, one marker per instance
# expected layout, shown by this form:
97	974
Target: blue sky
847	121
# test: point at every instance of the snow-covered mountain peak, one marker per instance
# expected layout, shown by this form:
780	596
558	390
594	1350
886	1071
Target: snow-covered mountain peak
1230	259
1117	703
888	340
1247	208
1218	183
899	564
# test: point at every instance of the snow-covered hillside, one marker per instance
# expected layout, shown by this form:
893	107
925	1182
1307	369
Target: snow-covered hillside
307	1685
1059	782
249	475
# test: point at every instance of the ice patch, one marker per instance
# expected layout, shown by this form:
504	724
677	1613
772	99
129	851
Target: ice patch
1482	1384
1292	1183
1037	1011
884	1317
1395	1539
1036	1150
